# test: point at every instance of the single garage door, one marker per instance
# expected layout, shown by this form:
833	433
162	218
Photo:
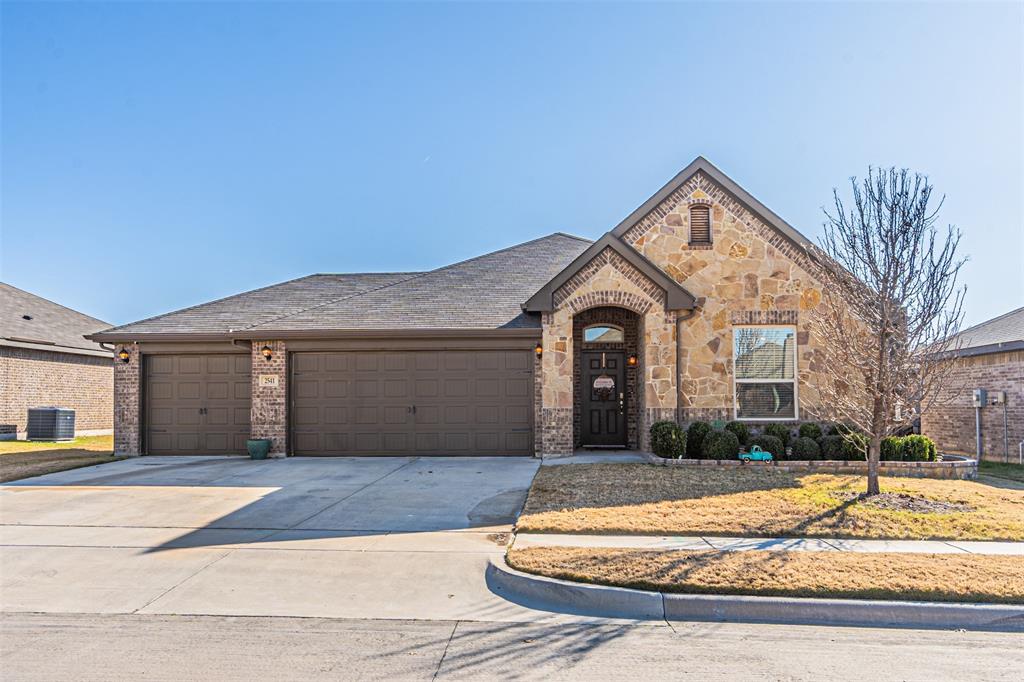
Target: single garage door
197	404
472	402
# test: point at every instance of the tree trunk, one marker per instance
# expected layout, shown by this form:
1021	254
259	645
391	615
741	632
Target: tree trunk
874	454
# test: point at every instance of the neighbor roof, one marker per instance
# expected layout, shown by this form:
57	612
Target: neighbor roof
50	326
483	293
999	334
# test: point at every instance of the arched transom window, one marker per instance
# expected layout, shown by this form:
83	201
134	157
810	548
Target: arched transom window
603	333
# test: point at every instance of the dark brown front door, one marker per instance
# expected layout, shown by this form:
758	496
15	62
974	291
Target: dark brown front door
603	392
197	404
450	402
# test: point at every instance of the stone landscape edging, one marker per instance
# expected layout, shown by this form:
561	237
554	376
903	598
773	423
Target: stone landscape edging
586	599
955	467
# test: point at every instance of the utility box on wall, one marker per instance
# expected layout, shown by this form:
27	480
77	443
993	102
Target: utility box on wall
980	397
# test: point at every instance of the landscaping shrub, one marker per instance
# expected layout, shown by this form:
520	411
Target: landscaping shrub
668	440
695	435
721	445
855	447
741	430
772	444
810	430
832	447
917	449
892	449
780	431
805	447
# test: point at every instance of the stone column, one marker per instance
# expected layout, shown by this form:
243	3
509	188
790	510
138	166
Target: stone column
127	402
270	395
658	355
556	384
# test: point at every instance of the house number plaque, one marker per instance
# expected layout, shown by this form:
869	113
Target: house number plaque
268	380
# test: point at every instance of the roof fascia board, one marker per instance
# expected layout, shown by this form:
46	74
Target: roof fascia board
700	164
54	348
269	334
677	298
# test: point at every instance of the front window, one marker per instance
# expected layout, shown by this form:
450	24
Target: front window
603	333
765	373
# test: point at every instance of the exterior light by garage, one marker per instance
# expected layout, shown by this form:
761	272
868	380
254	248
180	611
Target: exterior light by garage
124	355
538	350
631	360
267	353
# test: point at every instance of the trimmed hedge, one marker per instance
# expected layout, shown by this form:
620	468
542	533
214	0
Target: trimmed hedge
668	440
771	444
832	447
721	445
811	430
695	435
855	447
805	447
912	448
741	430
780	431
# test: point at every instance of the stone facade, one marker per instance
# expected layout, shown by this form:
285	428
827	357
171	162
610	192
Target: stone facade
270	402
951	424
750	274
128	403
39	378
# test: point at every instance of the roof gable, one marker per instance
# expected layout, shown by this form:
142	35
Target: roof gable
676	297
702	165
50	326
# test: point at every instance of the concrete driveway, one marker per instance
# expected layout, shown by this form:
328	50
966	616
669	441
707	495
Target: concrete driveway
337	537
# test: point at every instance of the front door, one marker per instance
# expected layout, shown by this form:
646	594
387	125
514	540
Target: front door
603	404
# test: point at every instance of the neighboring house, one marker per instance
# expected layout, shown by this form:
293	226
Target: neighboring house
540	348
989	356
45	360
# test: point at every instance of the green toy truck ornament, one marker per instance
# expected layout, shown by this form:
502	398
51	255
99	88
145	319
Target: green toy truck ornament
756	454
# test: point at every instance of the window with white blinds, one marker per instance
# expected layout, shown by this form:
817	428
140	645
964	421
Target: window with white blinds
764	364
700	224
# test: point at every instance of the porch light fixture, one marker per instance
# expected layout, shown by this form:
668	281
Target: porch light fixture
124	355
631	360
538	350
267	353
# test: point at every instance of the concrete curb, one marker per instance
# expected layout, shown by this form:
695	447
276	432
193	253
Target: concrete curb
562	596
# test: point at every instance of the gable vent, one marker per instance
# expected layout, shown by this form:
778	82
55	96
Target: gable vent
700	224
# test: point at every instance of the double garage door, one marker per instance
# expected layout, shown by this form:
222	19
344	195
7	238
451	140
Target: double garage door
412	403
473	402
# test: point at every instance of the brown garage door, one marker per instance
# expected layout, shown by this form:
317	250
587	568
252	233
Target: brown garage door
412	403
197	404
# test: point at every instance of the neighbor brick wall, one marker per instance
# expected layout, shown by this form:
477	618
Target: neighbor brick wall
38	378
127	403
951	424
270	403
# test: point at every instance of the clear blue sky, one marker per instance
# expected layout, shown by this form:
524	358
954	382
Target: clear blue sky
158	155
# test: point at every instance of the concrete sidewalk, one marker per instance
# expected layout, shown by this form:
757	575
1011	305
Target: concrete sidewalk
693	543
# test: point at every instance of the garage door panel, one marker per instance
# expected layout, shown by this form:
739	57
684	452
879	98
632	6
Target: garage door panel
465	402
196	403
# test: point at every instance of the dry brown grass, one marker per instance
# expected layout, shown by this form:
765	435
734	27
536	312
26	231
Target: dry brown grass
652	500
23	459
848	575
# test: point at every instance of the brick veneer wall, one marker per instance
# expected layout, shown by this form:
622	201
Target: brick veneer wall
951	424
629	322
38	378
270	403
128	403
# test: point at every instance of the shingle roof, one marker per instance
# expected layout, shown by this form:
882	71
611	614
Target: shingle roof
486	292
52	326
1005	332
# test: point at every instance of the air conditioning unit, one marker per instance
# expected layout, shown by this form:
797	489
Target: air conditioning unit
51	423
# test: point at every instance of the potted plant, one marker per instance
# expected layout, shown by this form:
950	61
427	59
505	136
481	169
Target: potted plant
258	447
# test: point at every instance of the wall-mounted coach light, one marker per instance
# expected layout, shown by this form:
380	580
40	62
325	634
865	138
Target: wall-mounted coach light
124	355
267	353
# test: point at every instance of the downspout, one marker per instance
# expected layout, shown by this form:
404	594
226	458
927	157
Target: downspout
679	352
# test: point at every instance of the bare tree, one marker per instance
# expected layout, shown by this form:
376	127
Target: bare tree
889	314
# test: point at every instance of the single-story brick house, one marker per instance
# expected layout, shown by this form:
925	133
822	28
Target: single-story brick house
45	360
540	348
989	356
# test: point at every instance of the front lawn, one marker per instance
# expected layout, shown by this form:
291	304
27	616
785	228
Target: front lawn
849	575
645	499
22	459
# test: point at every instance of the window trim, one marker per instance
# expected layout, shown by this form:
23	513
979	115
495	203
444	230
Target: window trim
711	224
795	381
603	325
